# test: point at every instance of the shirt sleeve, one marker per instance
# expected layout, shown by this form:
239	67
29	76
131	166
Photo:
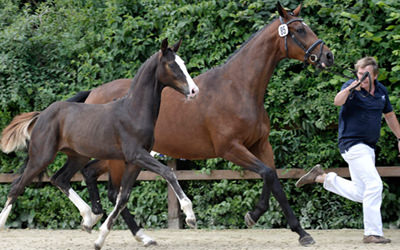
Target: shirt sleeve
388	106
346	84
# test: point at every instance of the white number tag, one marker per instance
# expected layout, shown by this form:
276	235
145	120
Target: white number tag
283	30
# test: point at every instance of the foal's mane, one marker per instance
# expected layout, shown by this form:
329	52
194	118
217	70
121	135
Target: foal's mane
150	61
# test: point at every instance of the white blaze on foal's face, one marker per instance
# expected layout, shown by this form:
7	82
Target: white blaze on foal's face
194	90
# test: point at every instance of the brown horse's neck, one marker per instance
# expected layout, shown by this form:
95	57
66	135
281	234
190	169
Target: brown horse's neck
255	62
145	92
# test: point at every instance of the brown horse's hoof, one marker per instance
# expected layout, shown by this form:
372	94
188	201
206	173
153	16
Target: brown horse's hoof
306	240
249	221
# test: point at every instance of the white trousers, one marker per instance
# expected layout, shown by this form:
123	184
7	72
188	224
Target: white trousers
365	186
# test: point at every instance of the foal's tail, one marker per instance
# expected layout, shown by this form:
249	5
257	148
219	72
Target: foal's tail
16	135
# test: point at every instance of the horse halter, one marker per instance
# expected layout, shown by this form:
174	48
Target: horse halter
284	31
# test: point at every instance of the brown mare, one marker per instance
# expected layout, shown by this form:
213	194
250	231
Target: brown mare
122	130
228	119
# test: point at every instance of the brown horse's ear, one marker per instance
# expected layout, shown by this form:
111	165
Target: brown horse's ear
281	10
164	45
177	45
296	12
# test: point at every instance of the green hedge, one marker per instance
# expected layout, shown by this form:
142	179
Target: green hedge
52	49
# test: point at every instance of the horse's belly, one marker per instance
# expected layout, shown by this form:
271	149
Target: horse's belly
190	148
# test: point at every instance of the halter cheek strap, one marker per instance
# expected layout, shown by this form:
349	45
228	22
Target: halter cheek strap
284	31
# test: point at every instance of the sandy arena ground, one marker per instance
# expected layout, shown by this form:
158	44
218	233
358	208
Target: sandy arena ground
251	239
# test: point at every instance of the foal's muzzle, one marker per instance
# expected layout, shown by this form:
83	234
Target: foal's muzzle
193	91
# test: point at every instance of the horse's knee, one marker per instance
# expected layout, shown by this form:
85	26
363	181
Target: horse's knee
268	174
112	194
90	172
63	185
169	175
123	198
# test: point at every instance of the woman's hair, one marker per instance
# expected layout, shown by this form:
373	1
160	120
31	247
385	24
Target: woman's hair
367	61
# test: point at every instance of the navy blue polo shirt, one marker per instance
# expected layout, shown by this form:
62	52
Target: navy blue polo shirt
361	115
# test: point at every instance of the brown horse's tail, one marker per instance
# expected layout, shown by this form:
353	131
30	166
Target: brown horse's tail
16	135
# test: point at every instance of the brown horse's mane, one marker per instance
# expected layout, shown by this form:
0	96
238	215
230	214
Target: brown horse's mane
246	42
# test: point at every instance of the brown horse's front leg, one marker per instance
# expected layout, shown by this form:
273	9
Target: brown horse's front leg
263	150
91	172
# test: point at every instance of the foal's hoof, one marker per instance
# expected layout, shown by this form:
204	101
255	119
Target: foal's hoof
150	243
97	247
145	239
191	222
86	228
88	224
306	240
248	220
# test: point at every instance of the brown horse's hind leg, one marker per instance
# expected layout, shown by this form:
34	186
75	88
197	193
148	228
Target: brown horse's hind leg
241	156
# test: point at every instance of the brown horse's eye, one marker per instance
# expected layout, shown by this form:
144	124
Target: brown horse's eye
301	31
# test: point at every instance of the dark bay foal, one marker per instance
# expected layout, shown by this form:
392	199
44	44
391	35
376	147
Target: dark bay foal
122	130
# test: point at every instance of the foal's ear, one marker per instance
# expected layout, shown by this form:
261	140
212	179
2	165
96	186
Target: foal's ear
177	45
296	12
164	45
281	10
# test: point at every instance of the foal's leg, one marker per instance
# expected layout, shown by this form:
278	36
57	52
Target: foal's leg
62	180
146	161
114	184
122	200
39	158
241	156
92	172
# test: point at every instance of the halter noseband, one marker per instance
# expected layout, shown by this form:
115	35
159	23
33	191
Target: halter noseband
284	32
